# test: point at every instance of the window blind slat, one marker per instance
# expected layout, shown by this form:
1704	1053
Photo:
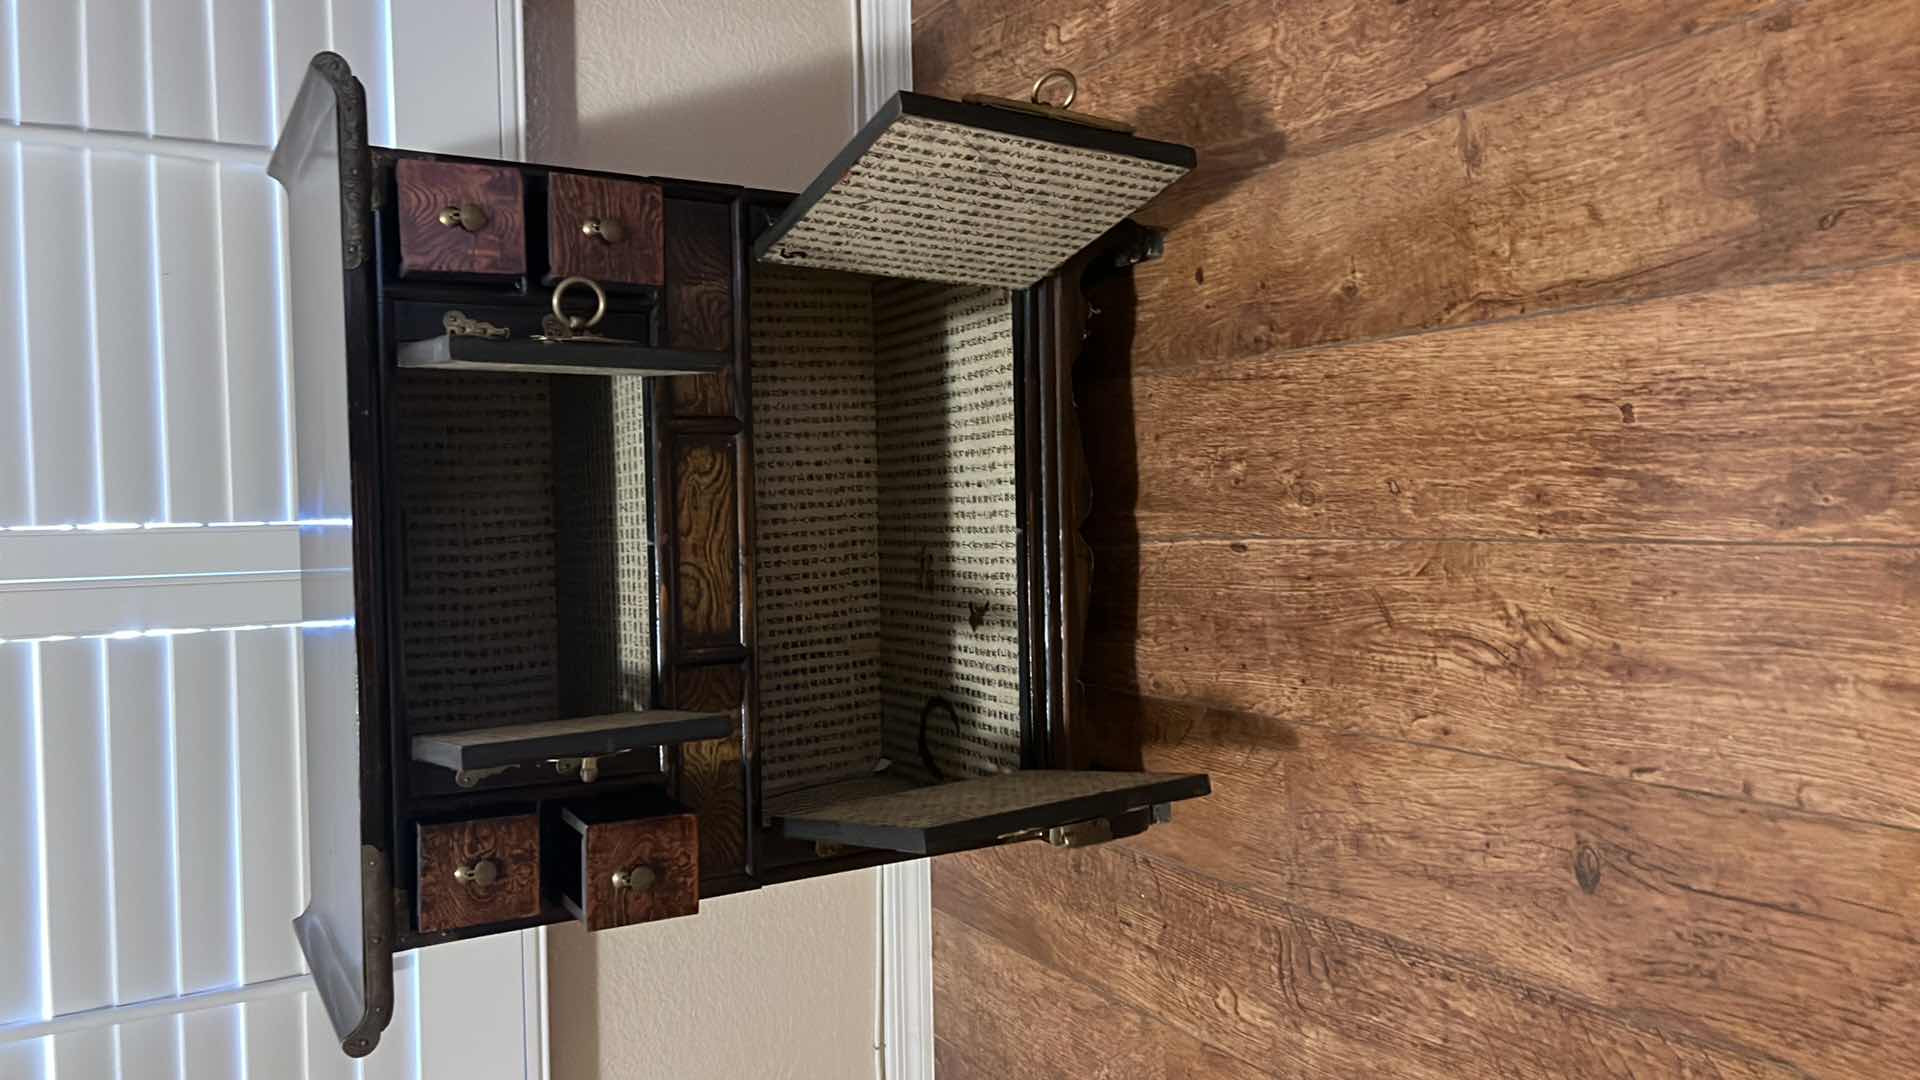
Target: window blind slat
74	826
182	71
210	1044
299	31
242	97
86	1054
16	505
188	202
249	228
59	336
273	1044
324	1059
360	35
203	690
142	837
116	65
398	1055
19	844
267	760
132	453
150	1049
49	61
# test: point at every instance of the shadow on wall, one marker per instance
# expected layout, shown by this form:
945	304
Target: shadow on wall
762	125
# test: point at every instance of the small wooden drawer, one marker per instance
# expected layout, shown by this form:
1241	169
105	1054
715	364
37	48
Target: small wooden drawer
477	872
457	218
607	230
622	870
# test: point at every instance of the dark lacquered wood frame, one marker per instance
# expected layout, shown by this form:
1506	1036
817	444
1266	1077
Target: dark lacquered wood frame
704	419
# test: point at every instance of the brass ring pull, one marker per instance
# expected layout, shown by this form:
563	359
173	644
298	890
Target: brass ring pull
608	230
478	874
469	216
575	321
1056	75
637	878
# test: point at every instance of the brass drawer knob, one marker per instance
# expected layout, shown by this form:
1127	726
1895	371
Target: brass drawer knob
609	230
637	878
469	216
478	874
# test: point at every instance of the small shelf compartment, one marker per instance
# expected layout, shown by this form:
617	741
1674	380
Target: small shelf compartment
574	737
456	352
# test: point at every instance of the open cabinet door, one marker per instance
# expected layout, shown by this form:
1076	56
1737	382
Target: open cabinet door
969	194
347	929
1066	808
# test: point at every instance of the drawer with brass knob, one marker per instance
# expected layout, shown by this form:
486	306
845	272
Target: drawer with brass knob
460	218
616	869
472	873
605	229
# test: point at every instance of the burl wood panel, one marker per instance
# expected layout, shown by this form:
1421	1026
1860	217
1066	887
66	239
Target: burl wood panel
637	258
669	846
712	777
512	843
426	188
700	275
1507	469
707	541
703	396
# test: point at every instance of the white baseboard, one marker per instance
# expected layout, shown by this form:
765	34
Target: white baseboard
885	62
906	970
883	67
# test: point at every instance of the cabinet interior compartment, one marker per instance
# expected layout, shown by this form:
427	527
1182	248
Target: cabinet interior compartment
887	569
525	571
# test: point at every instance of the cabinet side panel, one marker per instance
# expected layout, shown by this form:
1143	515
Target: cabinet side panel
949	529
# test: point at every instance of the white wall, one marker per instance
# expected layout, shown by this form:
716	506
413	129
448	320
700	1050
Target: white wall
781	982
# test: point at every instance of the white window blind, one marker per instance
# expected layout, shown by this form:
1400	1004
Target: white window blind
151	802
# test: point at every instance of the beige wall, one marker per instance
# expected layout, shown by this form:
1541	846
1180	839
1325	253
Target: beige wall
779	983
742	91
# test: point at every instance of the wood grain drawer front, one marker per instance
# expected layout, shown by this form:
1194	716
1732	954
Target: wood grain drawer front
607	230
460	219
640	870
477	872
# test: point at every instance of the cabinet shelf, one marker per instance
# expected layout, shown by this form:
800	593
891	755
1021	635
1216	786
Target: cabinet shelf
575	737
449	352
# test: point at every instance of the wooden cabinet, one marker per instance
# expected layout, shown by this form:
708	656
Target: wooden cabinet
753	556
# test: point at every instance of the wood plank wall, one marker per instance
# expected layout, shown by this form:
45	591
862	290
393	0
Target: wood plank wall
1511	496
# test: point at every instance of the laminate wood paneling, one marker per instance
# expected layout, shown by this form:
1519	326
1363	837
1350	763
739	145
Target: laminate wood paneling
628	208
1500	487
1769	147
1742	924
712	776
426	189
1773	412
997	1002
1787	675
1249	82
1270	983
707	542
